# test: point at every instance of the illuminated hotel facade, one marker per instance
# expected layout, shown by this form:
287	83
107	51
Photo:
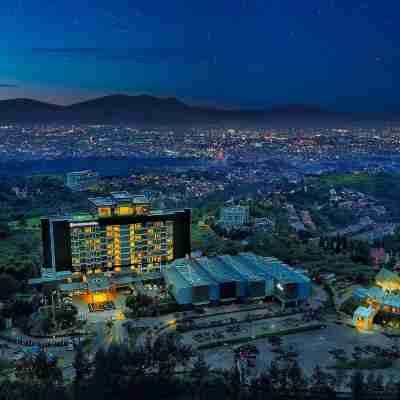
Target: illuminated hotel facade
120	232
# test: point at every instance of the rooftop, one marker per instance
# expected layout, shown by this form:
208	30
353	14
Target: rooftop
116	198
218	270
378	294
84	172
275	268
91	218
386	276
73	286
50	277
172	275
364	312
98	284
191	272
242	267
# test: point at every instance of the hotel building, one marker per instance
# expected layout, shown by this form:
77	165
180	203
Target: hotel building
119	232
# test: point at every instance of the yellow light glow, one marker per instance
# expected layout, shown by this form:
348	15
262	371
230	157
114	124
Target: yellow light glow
104	212
125	211
120	316
99	297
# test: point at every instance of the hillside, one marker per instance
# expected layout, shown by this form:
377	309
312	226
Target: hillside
153	110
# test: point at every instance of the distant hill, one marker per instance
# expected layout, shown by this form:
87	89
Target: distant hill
155	111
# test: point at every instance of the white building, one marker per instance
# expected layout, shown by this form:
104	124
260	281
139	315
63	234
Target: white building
82	180
234	216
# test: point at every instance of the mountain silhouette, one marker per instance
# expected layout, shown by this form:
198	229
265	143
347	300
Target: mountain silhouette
144	109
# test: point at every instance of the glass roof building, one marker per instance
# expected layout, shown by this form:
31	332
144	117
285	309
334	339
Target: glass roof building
229	278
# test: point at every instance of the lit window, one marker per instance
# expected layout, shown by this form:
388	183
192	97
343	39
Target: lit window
104	211
124	210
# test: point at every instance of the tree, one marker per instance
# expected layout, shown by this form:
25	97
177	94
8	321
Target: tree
370	382
82	368
296	380
109	374
138	302
344	243
340	378
379	385
5	231
9	286
39	369
318	379
261	387
274	374
275	340
357	386
214	388
66	316
200	369
46	324
361	252
168	352
198	374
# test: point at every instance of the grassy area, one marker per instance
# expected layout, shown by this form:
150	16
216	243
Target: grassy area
20	252
383	186
197	236
6	369
346	179
32	222
133	334
331	294
262	336
392	332
87	342
369	363
6	365
349	306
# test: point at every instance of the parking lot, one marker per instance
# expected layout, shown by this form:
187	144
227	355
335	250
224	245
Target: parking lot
242	329
313	348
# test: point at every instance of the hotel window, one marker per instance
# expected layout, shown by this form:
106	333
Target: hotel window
140	210
104	212
124	210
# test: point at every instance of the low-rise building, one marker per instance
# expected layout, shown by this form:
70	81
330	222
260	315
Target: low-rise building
232	217
82	180
229	278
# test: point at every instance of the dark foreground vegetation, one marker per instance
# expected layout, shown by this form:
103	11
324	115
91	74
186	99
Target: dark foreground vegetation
151	372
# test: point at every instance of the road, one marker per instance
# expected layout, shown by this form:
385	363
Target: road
118	334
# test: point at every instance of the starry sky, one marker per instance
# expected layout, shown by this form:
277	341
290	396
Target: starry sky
337	54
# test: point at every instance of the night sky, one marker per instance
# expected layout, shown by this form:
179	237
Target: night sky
339	54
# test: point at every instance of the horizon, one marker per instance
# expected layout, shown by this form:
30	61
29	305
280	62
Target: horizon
261	108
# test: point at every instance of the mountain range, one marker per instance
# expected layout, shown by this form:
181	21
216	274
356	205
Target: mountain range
151	110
